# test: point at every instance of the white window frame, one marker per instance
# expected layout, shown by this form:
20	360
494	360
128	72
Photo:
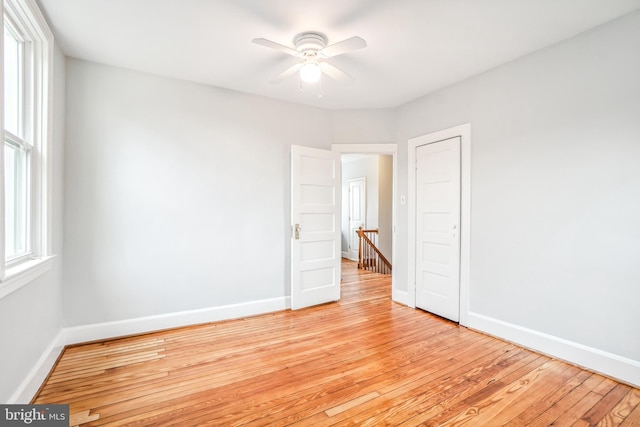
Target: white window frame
39	102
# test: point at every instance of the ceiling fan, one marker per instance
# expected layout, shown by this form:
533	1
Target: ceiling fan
311	48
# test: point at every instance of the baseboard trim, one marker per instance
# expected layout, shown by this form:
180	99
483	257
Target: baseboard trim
101	331
609	364
401	297
34	380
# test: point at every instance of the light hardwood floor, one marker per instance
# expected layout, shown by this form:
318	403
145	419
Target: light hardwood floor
364	361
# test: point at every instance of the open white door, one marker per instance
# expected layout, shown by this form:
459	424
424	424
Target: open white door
315	217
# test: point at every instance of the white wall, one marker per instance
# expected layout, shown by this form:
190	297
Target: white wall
31	317
177	194
363	126
555	230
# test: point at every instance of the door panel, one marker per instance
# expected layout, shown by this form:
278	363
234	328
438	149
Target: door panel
315	217
437	228
357	213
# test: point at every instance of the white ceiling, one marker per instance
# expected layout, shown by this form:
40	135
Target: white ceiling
414	46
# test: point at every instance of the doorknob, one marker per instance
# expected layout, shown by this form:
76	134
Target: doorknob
297	231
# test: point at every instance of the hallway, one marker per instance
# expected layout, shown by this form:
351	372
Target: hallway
360	285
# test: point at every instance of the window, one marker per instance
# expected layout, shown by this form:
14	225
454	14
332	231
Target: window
17	148
26	55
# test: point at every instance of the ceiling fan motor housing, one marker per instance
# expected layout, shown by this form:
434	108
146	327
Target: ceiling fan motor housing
310	42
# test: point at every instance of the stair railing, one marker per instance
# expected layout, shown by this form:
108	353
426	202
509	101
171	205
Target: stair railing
369	256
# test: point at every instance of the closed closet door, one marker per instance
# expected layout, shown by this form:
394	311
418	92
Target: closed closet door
438	228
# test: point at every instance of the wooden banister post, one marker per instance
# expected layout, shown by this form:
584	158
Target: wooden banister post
360	232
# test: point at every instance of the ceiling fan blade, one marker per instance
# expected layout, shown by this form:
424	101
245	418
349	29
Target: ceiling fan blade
336	73
348	45
286	73
277	46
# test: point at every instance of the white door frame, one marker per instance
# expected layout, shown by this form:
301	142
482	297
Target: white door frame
464	132
388	149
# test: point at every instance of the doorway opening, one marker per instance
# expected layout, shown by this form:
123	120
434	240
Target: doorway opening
377	164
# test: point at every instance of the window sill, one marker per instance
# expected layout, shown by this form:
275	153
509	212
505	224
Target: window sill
19	275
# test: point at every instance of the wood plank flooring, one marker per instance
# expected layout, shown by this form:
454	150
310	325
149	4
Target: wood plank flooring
364	361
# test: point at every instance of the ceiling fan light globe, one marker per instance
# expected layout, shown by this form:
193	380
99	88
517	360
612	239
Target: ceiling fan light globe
310	72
